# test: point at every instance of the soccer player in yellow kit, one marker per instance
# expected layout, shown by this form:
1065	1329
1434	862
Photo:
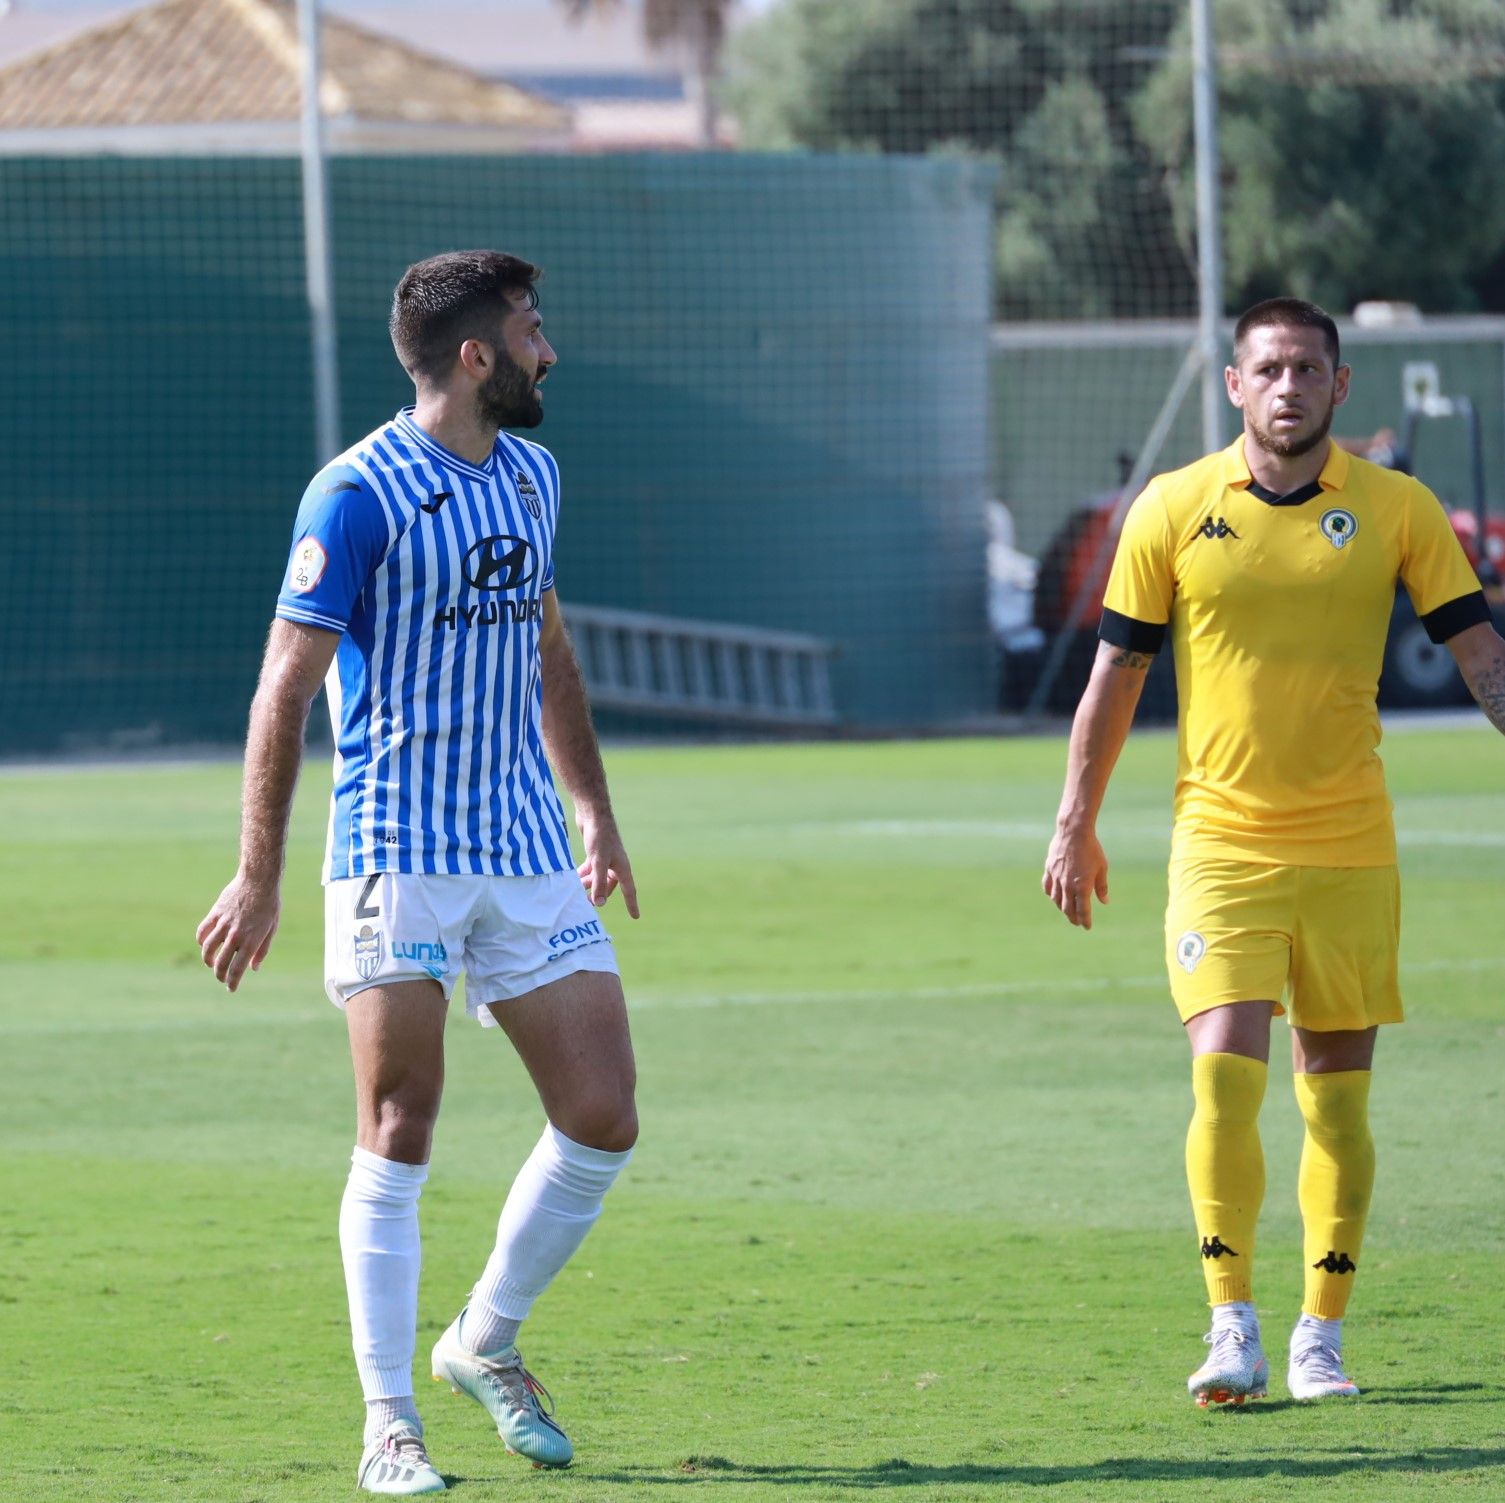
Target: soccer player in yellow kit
1273	565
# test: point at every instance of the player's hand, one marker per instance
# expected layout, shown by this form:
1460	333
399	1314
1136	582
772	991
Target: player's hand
237	932
1075	869
606	867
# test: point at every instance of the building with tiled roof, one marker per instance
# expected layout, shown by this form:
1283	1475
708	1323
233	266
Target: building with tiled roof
225	75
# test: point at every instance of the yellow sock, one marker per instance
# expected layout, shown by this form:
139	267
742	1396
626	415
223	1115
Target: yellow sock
1225	1168
1337	1178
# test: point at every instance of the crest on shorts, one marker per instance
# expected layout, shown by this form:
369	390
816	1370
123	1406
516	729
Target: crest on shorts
367	951
1338	526
1190	948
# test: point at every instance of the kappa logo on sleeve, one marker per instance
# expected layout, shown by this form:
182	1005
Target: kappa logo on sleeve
308	566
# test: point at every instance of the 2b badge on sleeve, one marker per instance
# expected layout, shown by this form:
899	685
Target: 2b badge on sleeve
307	567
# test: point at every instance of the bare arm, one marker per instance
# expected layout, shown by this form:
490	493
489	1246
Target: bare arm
1075	866
1480	654
569	738
237	931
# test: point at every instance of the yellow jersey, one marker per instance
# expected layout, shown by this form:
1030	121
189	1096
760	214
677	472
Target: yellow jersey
1278	609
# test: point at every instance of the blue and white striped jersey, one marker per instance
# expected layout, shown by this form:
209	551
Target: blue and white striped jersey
433	571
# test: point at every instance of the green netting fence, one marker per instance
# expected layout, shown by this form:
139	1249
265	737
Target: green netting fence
771	409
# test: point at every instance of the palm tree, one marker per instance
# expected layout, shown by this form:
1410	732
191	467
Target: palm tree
700	25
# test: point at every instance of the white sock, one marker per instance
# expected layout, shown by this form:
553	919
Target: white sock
383	1412
1239	1312
1311	1330
379	1244
553	1203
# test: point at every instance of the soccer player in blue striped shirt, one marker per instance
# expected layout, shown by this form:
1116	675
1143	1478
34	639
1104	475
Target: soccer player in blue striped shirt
420	592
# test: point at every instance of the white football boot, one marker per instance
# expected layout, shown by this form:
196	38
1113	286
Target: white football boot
1236	1369
396	1464
1316	1370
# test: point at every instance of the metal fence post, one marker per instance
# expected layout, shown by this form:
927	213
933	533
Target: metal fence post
319	274
1209	221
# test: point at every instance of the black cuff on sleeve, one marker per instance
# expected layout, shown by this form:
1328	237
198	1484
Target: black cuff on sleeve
1132	635
1456	616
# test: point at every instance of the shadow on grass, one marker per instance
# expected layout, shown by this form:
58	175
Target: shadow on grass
901	1473
1434	1393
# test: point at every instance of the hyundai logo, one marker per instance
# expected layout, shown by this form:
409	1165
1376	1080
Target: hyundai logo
499	563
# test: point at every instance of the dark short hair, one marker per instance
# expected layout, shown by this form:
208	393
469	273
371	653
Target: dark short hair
445	300
1286	313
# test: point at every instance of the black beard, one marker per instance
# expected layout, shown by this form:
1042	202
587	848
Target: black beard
509	398
1293	448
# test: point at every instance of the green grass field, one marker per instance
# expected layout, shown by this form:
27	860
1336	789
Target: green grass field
907	1215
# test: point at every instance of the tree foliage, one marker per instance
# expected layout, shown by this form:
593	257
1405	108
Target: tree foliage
1040	87
1363	141
1362	144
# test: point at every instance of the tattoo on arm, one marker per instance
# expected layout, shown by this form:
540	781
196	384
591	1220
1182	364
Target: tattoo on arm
1127	659
1488	687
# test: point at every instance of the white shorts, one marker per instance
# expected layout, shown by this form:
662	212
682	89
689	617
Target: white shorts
509	935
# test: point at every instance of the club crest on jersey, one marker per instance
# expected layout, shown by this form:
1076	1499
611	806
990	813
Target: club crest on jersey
367	951
1338	526
529	493
1190	948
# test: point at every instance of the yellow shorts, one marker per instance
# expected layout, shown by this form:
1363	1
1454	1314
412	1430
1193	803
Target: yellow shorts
1326	939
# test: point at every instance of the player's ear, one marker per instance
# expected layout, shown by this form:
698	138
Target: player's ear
1232	384
477	357
1341	378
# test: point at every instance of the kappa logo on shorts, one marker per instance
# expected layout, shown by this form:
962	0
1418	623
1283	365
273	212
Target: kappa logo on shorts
367	951
1190	948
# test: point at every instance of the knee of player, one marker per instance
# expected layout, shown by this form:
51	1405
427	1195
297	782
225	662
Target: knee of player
1228	1090
402	1130
607	1122
1340	1137
1335	1107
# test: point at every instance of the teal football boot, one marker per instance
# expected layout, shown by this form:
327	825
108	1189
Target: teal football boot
509	1393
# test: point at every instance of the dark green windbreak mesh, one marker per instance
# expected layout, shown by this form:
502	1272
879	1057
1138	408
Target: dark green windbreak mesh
771	408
